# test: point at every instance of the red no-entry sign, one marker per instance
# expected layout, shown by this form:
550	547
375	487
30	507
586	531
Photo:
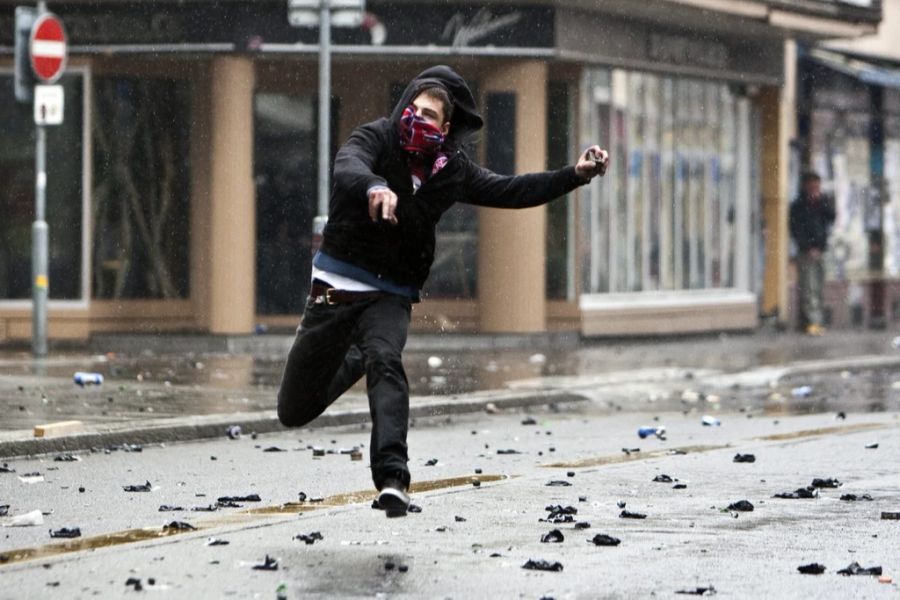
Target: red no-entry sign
48	48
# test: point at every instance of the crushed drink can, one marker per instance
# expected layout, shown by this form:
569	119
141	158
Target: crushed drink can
83	378
645	432
710	421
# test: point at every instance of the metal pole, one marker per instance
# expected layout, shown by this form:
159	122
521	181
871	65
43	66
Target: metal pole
324	104
39	259
40	234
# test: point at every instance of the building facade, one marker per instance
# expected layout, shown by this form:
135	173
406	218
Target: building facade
182	184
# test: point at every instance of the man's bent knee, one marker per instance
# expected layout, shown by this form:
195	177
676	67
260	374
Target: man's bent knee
297	412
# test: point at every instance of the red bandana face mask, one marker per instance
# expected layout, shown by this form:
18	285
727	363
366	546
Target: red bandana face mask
418	135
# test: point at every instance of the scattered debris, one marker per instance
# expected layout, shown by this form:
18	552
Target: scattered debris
699	591
435	362
146	487
744	458
508	451
269	564
274	449
890	516
856	498
582	525
885	579
208	508
214	541
645	432
557	483
5	468
710	421
871	446
663	478
66	532
29	519
233	432
491	408
310	538
812	569
356	455
31	478
799	493
601	539
4	510
626	514
529	421
318	452
826	483
555	536
542	565
135	583
459	519
630	451
854	568
741	506
679	486
66	458
432	462
802	391
169	508
414	508
249	498
178	526
83	378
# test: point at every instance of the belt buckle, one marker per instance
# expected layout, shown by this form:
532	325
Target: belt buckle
328	300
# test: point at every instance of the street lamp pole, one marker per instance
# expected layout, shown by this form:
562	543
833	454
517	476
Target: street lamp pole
324	104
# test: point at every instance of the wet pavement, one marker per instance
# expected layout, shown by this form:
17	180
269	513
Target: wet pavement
688	374
470	541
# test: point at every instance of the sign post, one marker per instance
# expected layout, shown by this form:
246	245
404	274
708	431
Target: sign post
310	13
47	50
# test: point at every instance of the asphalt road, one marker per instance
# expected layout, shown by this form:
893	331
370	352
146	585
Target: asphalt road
468	541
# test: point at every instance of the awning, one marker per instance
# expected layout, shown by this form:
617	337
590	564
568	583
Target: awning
863	70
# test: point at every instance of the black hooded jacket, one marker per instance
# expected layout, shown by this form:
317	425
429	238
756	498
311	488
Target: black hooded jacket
372	156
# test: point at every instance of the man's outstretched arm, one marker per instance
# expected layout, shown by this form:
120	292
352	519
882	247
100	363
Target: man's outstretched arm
487	188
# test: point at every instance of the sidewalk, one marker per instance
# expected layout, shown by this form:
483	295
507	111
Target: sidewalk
189	392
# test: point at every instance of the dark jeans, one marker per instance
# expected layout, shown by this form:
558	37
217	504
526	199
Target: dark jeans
335	346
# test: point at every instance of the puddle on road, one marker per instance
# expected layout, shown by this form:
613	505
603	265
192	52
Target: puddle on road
794	435
622	458
130	536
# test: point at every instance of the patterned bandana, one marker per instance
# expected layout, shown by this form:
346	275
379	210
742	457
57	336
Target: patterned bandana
423	142
418	135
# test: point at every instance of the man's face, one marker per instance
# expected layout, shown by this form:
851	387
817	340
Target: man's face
813	188
432	111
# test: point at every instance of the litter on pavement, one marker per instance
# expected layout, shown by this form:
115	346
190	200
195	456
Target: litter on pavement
826	483
627	514
269	564
542	565
812	569
178	526
854	568
800	493
554	536
249	498
699	591
66	532
146	487
741	506
710	421
744	458
309	538
29	519
856	498
601	539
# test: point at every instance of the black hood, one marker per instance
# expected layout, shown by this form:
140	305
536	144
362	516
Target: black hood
466	121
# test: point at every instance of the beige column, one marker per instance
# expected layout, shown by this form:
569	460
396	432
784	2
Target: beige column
779	127
511	251
231	262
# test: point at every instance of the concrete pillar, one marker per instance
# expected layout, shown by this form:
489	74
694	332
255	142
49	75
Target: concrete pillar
779	127
232	198
511	252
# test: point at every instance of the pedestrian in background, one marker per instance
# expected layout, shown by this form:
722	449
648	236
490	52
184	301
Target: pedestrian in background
811	217
393	179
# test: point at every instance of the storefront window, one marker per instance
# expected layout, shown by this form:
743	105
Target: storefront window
285	163
141	195
664	217
65	189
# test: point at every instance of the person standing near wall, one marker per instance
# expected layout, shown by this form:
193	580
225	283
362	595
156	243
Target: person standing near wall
811	217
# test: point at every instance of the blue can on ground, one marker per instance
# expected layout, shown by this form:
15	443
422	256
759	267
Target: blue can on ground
82	378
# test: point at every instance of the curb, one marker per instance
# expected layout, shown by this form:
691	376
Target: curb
193	428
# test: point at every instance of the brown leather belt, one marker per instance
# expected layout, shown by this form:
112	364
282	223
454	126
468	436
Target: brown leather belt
322	294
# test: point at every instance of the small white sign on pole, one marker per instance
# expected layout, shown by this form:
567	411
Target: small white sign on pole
48	104
345	13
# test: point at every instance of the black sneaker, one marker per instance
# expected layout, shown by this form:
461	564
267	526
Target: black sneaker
393	499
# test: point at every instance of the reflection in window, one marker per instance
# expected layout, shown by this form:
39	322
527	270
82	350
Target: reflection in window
64	194
141	196
664	218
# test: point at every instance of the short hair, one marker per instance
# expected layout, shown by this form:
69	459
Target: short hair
809	177
441	95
